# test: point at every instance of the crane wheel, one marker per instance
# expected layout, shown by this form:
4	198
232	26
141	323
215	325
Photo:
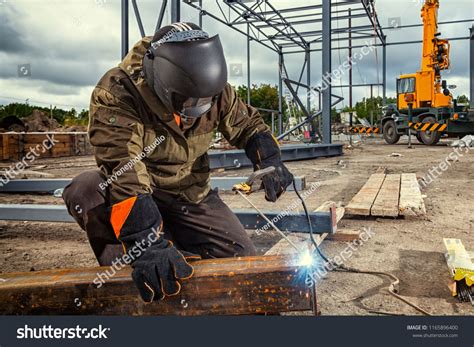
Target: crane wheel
390	132
429	138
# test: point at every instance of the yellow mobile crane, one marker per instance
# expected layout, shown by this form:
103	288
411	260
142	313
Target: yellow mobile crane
425	95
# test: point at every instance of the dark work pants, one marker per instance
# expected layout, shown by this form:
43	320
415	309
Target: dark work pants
208	228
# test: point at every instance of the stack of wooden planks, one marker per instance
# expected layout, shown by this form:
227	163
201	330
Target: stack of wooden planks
16	146
388	195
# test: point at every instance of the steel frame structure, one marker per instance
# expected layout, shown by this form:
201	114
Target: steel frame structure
276	29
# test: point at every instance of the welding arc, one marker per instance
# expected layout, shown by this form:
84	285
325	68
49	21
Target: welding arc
393	285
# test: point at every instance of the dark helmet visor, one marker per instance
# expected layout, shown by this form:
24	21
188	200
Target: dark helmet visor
196	107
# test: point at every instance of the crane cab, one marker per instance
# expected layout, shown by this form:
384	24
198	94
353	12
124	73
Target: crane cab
425	92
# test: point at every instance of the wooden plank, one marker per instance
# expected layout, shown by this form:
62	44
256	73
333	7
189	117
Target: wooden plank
362	202
344	235
247	285
411	202
386	203
39	138
302	240
5	152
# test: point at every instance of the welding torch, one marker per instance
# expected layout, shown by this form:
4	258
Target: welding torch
254	184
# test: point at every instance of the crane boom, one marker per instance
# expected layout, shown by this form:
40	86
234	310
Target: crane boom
435	56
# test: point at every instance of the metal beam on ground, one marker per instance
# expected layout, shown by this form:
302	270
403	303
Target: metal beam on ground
224	286
237	158
49	185
322	222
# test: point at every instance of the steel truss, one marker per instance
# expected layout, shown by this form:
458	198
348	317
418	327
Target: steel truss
279	29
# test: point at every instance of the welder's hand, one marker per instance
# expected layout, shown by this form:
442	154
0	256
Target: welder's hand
137	223
157	271
263	151
275	183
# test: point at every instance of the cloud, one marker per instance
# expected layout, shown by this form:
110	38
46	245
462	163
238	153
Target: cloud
71	44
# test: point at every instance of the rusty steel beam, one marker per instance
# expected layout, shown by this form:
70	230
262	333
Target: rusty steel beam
231	286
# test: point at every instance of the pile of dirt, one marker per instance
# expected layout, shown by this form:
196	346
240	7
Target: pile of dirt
40	121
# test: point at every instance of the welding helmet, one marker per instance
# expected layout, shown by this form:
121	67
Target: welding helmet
186	68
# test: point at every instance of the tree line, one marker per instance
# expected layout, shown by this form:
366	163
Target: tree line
261	96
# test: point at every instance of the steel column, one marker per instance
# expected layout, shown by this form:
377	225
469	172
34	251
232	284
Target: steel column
326	57
471	68
384	72
248	64
280	92
372	105
350	72
124	46
308	78
200	14
175	11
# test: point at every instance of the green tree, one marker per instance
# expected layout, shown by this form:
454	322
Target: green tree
22	110
364	107
462	99
263	96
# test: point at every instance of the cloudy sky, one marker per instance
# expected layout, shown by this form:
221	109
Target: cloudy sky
54	52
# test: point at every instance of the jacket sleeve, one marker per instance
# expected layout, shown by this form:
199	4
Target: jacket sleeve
238	122
116	135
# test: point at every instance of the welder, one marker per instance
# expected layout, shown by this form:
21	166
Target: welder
152	120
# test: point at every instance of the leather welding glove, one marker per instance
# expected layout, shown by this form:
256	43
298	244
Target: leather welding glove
263	151
157	264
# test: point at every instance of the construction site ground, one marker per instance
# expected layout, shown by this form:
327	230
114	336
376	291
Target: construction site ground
411	249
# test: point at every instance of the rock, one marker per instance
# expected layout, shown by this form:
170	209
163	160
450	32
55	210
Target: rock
395	155
466	141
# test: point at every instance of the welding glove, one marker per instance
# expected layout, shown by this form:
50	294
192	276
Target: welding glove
156	263
263	151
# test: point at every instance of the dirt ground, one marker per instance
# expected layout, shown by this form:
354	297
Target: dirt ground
411	249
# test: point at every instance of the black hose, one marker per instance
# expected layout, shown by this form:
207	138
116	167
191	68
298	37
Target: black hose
313	241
